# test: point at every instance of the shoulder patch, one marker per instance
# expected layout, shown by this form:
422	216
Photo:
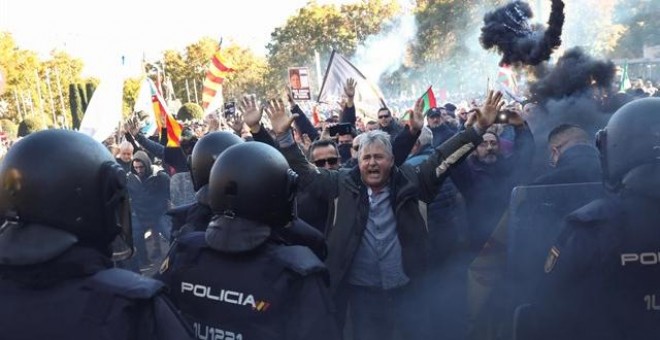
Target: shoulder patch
299	259
165	265
124	283
551	260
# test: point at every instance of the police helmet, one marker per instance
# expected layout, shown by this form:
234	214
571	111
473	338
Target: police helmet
630	143
253	181
205	152
59	188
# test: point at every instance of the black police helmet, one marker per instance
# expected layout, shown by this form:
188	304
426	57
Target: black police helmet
253	181
630	143
205	152
58	188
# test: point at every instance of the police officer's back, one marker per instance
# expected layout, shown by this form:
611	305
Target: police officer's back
603	274
235	278
64	201
196	216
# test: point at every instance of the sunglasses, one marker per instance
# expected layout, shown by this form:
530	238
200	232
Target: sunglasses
384	116
330	161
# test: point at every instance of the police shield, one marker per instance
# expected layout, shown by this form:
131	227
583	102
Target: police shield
535	221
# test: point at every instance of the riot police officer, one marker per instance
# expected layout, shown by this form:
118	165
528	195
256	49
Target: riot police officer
198	215
64	202
237	280
603	273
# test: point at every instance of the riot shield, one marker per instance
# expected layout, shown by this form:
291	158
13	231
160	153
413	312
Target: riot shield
536	218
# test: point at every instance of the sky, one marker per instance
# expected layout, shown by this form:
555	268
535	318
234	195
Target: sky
101	32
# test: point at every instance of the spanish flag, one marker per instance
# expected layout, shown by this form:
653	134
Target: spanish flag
163	117
215	76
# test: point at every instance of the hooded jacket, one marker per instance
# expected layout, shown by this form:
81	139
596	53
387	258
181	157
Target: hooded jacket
149	195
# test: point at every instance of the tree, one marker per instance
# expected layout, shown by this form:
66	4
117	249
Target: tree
9	127
30	125
248	76
322	28
640	18
590	25
90	87
190	111
84	101
76	106
131	89
24	71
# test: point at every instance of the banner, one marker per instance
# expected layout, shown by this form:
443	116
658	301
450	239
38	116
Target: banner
216	73
368	97
299	83
103	114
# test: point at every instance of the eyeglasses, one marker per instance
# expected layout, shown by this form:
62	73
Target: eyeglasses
384	116
330	161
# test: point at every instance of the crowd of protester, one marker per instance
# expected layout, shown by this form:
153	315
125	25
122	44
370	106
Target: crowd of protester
400	245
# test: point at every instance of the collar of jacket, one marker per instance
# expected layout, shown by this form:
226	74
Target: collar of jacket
579	154
235	234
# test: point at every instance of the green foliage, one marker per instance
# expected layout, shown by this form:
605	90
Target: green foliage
89	90
131	89
22	67
191	66
30	125
76	106
84	101
640	17
322	28
190	111
9	127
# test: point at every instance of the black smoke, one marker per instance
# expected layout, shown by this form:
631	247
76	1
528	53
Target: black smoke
508	29
576	90
576	73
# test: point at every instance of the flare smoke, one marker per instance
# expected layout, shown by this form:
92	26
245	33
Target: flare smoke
509	30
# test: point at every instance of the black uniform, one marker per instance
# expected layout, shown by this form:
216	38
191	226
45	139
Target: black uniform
603	274
63	226
197	216
271	292
78	296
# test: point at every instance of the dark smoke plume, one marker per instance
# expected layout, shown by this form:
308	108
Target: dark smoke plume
508	29
574	74
577	90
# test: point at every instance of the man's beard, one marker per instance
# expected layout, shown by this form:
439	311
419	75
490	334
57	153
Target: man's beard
489	158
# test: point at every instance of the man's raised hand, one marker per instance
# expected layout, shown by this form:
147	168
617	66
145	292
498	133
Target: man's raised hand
252	113
486	115
417	116
349	88
280	118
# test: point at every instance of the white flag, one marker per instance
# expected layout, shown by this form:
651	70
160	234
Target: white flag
145	104
104	112
368	97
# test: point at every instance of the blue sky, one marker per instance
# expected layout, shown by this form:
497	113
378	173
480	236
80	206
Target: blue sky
100	32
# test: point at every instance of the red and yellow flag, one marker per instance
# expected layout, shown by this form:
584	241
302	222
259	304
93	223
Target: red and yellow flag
163	117
215	75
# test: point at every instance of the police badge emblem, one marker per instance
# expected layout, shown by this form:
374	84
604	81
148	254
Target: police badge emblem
551	260
165	265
